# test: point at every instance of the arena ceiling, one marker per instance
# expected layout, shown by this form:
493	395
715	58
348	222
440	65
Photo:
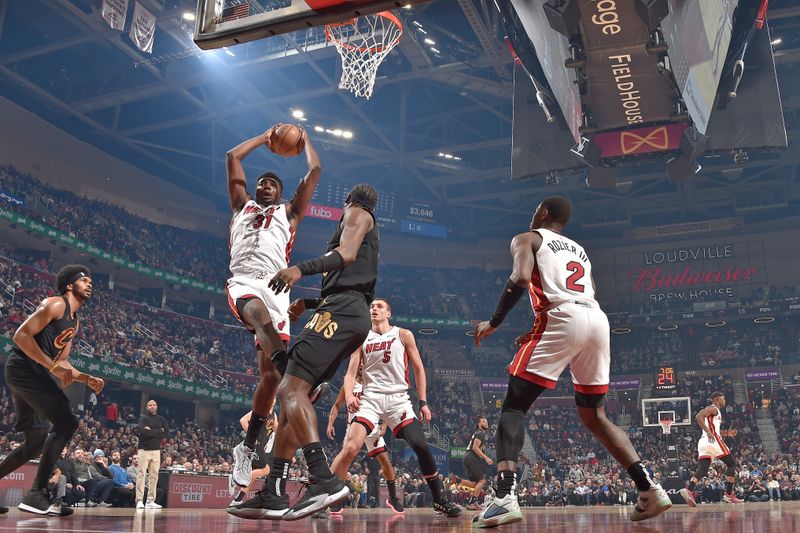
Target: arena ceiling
174	113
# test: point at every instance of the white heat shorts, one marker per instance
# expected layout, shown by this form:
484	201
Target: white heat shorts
395	409
277	304
374	441
573	333
711	450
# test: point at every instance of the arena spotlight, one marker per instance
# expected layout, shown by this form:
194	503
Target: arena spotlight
319	129
298	113
670	327
621	331
764	320
347	134
428	331
718	324
188	16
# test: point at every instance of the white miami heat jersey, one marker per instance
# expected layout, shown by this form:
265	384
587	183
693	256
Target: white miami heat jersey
562	273
714	423
385	363
261	240
358	388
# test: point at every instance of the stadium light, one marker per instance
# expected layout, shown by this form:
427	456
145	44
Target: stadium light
347	134
188	16
298	113
319	129
429	41
776	42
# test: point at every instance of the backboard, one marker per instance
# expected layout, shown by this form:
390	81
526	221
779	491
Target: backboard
221	23
679	410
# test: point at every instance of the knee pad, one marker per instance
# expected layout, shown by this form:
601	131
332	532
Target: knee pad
415	438
702	468
520	395
592	401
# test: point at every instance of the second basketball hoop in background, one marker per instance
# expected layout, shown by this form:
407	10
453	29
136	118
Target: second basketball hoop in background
363	43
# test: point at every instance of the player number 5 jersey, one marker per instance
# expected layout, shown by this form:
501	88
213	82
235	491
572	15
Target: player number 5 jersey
261	240
562	273
385	363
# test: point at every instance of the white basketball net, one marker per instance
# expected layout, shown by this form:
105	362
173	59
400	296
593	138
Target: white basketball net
363	43
666	425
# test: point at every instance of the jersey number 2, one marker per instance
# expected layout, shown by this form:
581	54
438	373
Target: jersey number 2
577	273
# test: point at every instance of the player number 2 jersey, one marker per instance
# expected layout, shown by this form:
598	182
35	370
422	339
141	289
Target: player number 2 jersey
261	240
385	363
562	273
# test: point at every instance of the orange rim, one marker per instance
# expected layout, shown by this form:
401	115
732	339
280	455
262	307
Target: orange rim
388	15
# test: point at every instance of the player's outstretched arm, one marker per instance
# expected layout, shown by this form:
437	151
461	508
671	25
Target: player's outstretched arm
523	250
410	345
356	224
237	179
305	190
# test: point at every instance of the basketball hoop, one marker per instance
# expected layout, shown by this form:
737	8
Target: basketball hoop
363	43
666	425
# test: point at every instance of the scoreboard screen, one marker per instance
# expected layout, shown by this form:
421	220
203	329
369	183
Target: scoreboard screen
665	378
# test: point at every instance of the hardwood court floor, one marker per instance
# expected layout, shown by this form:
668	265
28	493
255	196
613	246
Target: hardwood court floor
717	518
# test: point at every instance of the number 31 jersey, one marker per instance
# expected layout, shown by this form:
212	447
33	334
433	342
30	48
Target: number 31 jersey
563	272
385	363
261	240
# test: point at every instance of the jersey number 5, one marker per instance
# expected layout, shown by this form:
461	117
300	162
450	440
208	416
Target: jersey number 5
577	273
387	356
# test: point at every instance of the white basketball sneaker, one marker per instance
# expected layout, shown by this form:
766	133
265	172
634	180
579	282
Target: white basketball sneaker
242	464
500	511
651	503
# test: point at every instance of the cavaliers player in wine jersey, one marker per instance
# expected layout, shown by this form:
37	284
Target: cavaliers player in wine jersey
711	447
262	232
386	354
570	329
376	445
40	355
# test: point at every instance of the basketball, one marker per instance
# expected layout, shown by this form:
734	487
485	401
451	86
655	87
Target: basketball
287	140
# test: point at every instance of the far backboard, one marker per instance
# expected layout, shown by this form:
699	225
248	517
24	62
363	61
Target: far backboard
229	22
678	409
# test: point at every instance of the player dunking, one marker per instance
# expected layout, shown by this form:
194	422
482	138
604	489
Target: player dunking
339	326
473	461
376	446
711	447
41	351
262	232
570	329
386	354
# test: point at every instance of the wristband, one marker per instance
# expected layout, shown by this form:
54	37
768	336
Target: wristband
324	263
422	403
311	303
508	299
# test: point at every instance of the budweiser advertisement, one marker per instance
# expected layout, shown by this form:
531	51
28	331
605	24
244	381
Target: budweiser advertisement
708	271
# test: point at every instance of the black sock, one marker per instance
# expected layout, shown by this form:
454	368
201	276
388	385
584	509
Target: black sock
253	429
391	486
317	462
640	476
691	485
56	440
728	487
506	483
278	474
437	489
239	497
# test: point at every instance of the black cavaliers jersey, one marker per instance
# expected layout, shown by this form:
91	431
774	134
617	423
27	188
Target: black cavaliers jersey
56	335
481	436
362	274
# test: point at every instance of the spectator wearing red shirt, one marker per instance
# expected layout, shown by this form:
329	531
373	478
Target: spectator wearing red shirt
112	415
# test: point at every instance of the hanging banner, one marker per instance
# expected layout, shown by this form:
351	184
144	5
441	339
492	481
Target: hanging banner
143	28
114	12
